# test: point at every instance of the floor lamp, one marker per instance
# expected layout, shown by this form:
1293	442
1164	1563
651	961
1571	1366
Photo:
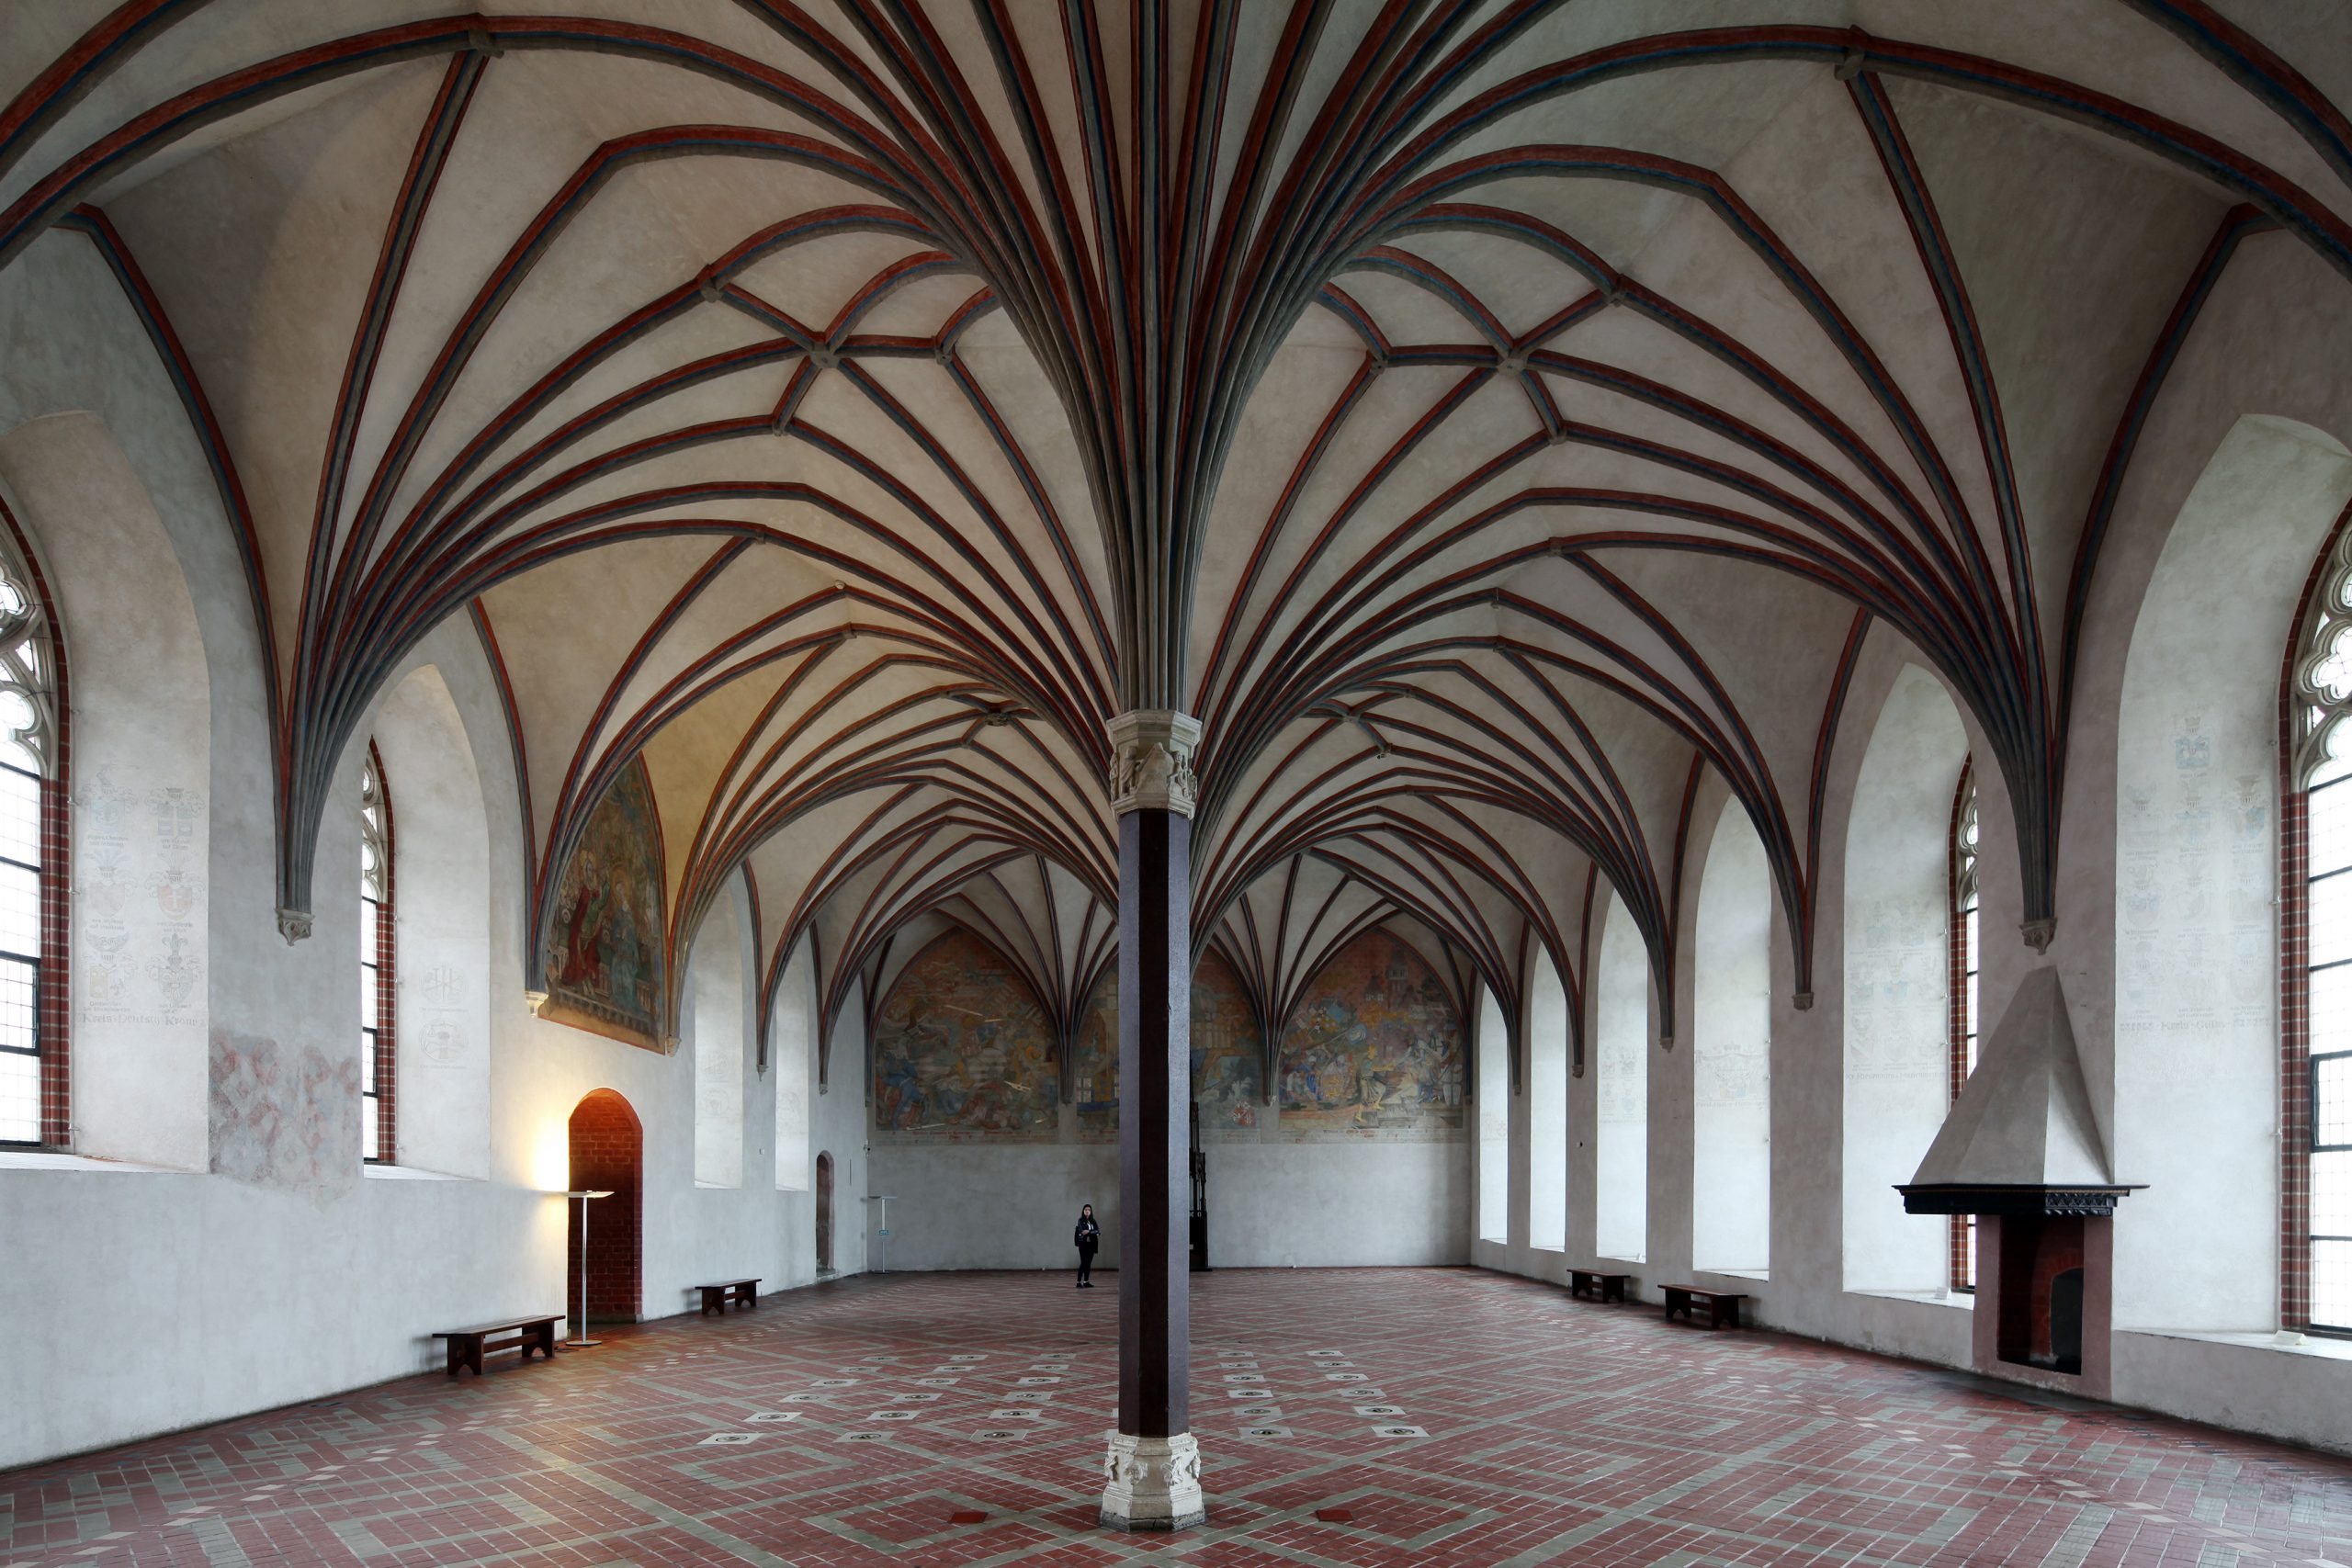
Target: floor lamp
582	1341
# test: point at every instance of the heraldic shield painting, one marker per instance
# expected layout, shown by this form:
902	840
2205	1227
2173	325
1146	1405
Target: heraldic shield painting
1374	1052
604	945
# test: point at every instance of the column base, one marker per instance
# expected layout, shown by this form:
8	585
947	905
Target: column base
1152	1483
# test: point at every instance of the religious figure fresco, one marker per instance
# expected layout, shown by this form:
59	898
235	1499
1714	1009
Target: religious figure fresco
604	935
962	1050
1226	1077
1374	1052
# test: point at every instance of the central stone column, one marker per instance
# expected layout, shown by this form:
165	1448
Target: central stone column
1152	1475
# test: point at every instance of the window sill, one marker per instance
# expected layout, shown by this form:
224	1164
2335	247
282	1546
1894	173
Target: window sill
2326	1347
1958	1301
52	1160
1762	1275
411	1173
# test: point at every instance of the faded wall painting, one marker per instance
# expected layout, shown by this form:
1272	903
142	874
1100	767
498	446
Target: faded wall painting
1374	1052
282	1115
604	935
962	1050
1227	1084
1094	1064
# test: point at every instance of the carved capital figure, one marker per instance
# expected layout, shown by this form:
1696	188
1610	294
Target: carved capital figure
1151	760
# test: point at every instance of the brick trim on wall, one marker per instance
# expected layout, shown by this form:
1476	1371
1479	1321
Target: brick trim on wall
387	1033
53	1004
2294	975
1956	1012
608	1146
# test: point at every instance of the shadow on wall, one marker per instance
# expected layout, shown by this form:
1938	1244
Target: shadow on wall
607	1155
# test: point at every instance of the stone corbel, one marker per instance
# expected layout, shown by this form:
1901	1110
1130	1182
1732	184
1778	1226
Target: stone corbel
1151	760
294	925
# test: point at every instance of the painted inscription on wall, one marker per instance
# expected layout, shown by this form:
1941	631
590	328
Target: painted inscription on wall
962	1050
141	886
1374	1052
604	945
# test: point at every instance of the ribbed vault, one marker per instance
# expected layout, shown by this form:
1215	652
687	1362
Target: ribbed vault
1486	418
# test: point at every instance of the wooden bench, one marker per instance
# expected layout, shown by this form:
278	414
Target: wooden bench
714	1297
467	1345
1603	1287
1723	1306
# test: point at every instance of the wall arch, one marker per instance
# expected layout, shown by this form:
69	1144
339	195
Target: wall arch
1732	1052
1897	983
1548	1106
1620	1091
2197	1050
791	1038
141	820
717	997
441	914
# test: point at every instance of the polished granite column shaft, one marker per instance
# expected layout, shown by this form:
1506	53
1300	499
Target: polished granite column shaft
1152	1471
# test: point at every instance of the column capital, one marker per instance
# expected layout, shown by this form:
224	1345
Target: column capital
1151	760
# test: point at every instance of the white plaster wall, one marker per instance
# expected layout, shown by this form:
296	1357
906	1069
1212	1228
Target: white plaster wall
1897	982
2196	1000
140	736
1731	1052
1493	1109
1547	1107
718	1038
1621	1176
791	1041
441	918
287	1274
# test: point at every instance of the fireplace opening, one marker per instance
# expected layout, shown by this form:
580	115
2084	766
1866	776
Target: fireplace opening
2042	1293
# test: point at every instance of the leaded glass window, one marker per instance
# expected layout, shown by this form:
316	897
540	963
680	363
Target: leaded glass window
1966	959
27	756
2323	743
375	962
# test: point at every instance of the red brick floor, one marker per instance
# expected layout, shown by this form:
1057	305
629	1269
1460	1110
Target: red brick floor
1456	1417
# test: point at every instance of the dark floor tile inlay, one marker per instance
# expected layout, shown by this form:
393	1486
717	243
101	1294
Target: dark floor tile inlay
1357	1417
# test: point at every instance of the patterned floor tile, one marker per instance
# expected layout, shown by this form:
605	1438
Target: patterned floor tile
1458	1420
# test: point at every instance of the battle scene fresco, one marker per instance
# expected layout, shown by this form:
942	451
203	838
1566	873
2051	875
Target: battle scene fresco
962	1050
604	935
1094	1064
1374	1052
1226	1081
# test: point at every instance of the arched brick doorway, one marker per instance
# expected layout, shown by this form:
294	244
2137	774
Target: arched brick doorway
608	1154
824	1213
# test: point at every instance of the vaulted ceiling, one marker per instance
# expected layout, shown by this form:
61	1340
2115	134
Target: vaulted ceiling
1485	417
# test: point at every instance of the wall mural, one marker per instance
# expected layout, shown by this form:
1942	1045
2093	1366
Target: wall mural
605	937
1226	1082
1374	1051
1094	1063
1224	1058
962	1050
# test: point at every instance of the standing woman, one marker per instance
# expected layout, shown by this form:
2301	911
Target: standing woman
1089	1237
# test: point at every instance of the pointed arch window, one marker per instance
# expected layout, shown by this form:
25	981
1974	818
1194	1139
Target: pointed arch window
1966	951
32	841
2319	703
377	1037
